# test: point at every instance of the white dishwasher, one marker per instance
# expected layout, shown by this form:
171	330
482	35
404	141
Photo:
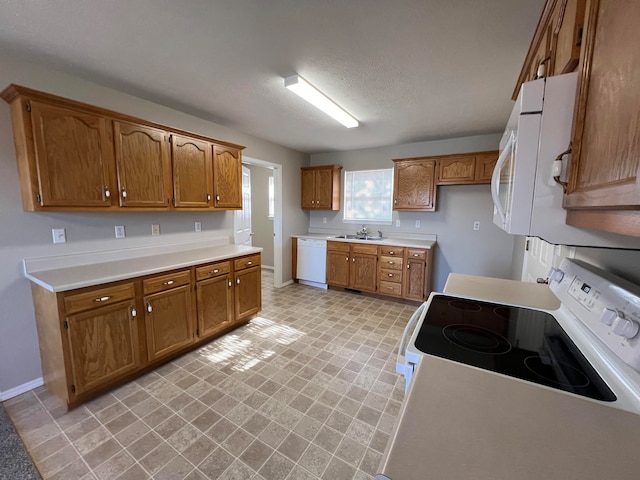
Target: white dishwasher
312	262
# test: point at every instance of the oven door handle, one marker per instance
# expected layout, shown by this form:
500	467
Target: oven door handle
401	363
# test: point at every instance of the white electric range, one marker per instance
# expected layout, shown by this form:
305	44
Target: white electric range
545	367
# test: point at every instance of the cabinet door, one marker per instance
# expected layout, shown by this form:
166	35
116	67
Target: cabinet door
308	189
74	157
324	188
338	268
456	170
414	279
144	169
484	167
248	292
567	35
192	178
103	345
227	177
363	273
414	185
168	321
605	164
215	305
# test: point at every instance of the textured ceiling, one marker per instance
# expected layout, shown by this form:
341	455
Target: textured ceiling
408	70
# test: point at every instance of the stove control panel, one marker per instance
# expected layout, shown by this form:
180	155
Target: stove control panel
608	305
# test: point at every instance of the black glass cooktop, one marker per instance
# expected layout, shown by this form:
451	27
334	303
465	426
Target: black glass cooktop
518	342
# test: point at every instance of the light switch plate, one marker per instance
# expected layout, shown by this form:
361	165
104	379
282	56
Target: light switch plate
120	231
155	229
198	226
59	235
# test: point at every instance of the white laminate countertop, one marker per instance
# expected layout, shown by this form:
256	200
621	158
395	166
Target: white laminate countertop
68	278
396	242
463	423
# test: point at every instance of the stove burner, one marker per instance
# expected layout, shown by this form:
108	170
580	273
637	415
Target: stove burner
476	339
503	312
569	376
464	305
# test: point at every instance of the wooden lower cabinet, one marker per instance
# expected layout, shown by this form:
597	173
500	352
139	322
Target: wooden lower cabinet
214	297
416	283
352	266
103	345
338	264
95	338
168	321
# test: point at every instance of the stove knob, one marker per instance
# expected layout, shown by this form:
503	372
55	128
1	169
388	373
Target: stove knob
556	275
625	328
609	315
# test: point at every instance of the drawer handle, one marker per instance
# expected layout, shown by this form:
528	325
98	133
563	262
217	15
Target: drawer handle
392	253
134	312
416	254
215	271
391	263
249	263
390	274
103	299
149	308
168	282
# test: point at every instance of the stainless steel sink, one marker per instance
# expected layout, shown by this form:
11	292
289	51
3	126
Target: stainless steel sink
359	237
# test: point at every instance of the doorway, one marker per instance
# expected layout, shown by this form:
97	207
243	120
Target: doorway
275	171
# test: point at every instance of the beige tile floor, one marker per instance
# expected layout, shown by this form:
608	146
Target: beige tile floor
307	390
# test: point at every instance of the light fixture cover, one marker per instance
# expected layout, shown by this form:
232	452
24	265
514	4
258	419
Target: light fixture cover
301	87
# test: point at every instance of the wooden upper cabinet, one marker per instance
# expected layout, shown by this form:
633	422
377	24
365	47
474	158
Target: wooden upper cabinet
73	157
192	172
321	187
414	187
143	166
485	163
604	180
459	169
77	157
557	41
227	177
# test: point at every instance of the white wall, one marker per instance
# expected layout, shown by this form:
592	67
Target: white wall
261	225
28	234
460	249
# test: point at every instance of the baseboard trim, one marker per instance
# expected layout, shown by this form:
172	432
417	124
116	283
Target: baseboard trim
284	284
20	389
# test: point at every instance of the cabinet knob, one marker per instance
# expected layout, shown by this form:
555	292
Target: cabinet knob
238	281
168	282
416	254
353	259
216	271
217	198
124	193
408	266
392	253
249	263
149	308
229	283
347	259
102	299
134	313
208	197
107	192
391	274
391	263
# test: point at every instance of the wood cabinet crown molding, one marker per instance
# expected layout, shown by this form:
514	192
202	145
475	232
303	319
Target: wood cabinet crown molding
73	156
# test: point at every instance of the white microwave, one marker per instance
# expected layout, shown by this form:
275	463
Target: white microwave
527	200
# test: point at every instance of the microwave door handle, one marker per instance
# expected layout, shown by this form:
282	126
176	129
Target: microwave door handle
495	178
401	363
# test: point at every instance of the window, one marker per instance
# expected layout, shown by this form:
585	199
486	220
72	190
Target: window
368	196
272	197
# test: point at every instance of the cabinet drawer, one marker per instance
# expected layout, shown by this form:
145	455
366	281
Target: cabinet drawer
338	246
416	253
387	275
390	288
98	297
213	270
246	262
392	263
366	249
165	282
391	251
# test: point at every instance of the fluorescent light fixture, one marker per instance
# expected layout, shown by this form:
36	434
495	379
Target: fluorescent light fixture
301	87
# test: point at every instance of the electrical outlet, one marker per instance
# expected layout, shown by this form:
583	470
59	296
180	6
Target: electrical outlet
155	229
324	219
476	225
417	223
59	235
397	223
120	231
198	226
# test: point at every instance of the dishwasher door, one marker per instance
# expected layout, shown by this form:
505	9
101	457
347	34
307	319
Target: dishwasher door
312	262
